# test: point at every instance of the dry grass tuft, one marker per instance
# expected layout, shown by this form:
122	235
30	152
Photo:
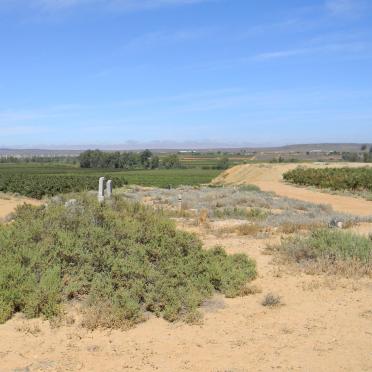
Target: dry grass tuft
203	217
248	229
251	289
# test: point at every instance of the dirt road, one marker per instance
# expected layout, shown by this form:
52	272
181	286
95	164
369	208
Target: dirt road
269	178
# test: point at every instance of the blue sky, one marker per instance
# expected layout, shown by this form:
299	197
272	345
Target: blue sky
227	72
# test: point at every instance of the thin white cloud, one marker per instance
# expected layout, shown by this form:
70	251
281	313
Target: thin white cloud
346	8
351	48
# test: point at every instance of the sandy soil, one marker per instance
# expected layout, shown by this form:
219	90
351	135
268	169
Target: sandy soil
9	203
323	324
269	178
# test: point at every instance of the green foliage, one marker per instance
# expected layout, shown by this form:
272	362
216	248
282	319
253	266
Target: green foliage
171	162
364	156
120	259
39	180
39	185
223	163
331	248
244	213
354	179
115	160
249	188
39	159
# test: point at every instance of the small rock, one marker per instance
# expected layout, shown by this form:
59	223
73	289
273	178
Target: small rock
71	203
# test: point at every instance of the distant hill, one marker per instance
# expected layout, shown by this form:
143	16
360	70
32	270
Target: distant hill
298	148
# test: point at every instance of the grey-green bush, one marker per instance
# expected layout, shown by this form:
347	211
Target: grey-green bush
119	259
330	251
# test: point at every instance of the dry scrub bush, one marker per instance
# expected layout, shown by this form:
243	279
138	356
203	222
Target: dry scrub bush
249	229
328	251
243	230
244	203
271	300
120	260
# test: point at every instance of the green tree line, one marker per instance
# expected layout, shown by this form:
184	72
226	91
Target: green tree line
127	160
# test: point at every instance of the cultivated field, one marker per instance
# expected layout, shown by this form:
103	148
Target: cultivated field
39	180
305	303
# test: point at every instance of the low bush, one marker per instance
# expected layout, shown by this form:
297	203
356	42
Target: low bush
271	300
249	188
119	259
242	213
331	251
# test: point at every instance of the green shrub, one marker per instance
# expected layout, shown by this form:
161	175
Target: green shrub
330	250
243	213
249	187
120	259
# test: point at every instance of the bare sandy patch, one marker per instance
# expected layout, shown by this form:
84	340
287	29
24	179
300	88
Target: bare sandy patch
8	203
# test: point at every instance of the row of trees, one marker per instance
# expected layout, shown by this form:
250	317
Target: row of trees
360	157
38	159
127	160
365	155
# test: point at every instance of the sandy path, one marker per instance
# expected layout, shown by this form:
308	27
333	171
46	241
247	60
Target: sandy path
8	204
269	178
324	325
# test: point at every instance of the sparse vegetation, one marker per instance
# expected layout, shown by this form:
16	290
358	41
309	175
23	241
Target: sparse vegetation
331	251
260	210
119	260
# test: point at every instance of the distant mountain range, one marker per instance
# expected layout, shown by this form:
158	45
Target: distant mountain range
76	150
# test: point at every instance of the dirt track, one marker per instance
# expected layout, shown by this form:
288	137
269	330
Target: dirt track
269	178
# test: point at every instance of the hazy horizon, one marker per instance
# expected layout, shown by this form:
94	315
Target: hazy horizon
168	145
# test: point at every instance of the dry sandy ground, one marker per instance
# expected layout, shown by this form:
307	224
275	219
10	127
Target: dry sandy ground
9	203
324	324
269	178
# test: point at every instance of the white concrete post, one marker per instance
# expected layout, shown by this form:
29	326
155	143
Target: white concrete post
109	188
179	202
101	189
